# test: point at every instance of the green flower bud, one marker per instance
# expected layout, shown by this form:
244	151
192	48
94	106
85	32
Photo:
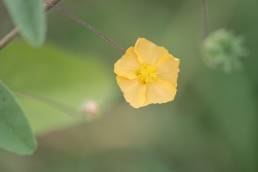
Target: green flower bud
224	50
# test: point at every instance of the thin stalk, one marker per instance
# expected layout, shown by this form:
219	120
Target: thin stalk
9	37
205	11
90	27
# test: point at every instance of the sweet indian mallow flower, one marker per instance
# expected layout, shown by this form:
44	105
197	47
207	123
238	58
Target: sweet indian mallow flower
147	74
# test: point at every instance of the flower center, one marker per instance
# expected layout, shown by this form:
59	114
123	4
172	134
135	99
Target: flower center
147	73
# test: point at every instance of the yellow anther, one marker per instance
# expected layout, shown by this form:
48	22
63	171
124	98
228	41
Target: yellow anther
147	73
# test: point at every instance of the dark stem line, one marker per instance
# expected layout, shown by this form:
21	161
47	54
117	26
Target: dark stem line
205	11
90	27
52	103
9	37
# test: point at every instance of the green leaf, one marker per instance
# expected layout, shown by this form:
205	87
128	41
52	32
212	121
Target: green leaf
29	17
15	132
58	75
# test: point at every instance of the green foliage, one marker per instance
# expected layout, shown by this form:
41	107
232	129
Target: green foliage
113	160
57	75
224	50
232	109
29	17
211	126
15	132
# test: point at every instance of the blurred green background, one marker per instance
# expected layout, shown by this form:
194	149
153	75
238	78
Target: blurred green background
210	127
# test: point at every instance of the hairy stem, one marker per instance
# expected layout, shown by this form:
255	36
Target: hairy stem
13	33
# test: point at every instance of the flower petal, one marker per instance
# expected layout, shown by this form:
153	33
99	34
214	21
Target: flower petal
148	52
160	92
168	68
127	65
134	91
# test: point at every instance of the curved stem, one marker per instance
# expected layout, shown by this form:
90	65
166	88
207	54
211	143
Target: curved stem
9	37
90	27
205	18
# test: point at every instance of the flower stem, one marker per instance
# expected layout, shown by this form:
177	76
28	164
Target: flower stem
205	11
90	27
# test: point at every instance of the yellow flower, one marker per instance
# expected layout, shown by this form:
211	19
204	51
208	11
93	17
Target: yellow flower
147	74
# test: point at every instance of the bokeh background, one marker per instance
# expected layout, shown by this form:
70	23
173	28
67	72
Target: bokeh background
210	127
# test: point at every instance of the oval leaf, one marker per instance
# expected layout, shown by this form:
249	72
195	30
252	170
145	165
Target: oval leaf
29	17
15	133
54	74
